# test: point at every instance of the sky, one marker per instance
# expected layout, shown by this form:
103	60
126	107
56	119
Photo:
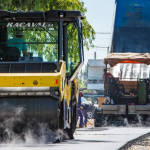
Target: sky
100	14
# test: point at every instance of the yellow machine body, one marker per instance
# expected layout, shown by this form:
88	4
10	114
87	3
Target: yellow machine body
40	80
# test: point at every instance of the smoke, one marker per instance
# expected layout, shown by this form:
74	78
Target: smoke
14	130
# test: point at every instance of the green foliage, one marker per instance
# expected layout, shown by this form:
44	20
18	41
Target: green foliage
81	83
45	5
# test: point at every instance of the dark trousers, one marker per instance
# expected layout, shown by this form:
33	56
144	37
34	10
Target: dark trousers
79	114
85	115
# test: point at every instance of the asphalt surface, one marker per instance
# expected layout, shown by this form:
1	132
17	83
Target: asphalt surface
108	138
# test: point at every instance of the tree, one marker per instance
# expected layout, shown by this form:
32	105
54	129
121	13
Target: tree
45	5
81	83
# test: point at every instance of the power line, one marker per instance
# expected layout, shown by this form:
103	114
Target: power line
103	33
103	38
101	47
88	54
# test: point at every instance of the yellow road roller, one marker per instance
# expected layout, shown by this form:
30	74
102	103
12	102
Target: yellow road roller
41	54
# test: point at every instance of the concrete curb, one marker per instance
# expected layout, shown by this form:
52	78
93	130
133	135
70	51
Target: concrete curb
130	143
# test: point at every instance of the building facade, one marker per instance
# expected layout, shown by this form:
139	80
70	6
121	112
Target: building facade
95	73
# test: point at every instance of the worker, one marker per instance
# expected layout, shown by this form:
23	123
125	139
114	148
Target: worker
79	113
109	75
84	112
18	39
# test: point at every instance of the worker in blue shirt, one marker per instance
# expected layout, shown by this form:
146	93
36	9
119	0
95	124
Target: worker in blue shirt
79	113
15	43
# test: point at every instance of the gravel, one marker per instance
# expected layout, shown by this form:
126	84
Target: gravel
141	143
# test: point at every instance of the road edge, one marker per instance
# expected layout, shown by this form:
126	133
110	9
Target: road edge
130	143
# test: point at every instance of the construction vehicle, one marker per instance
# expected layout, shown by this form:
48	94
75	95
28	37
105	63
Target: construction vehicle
127	96
44	82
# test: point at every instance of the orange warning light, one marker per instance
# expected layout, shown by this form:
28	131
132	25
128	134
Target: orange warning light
130	61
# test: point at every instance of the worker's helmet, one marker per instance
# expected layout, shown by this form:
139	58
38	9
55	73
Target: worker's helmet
19	33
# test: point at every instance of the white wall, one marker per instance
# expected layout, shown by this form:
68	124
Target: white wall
95	72
95	86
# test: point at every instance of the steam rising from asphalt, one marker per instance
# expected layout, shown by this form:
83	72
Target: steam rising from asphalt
126	122
106	121
13	129
138	121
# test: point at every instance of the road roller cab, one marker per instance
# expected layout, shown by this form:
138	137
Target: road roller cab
40	56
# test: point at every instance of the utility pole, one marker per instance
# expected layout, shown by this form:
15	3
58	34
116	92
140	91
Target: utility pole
107	50
94	55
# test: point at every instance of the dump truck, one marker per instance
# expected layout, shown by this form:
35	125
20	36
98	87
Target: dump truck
127	95
38	70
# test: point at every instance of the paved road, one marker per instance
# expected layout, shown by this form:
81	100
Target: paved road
110	138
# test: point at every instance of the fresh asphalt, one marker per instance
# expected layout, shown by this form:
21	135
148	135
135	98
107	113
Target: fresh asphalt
105	138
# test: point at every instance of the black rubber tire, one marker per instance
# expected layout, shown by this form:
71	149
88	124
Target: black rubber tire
72	130
61	113
73	105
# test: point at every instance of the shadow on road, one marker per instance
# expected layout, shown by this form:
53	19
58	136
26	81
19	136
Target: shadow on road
92	141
